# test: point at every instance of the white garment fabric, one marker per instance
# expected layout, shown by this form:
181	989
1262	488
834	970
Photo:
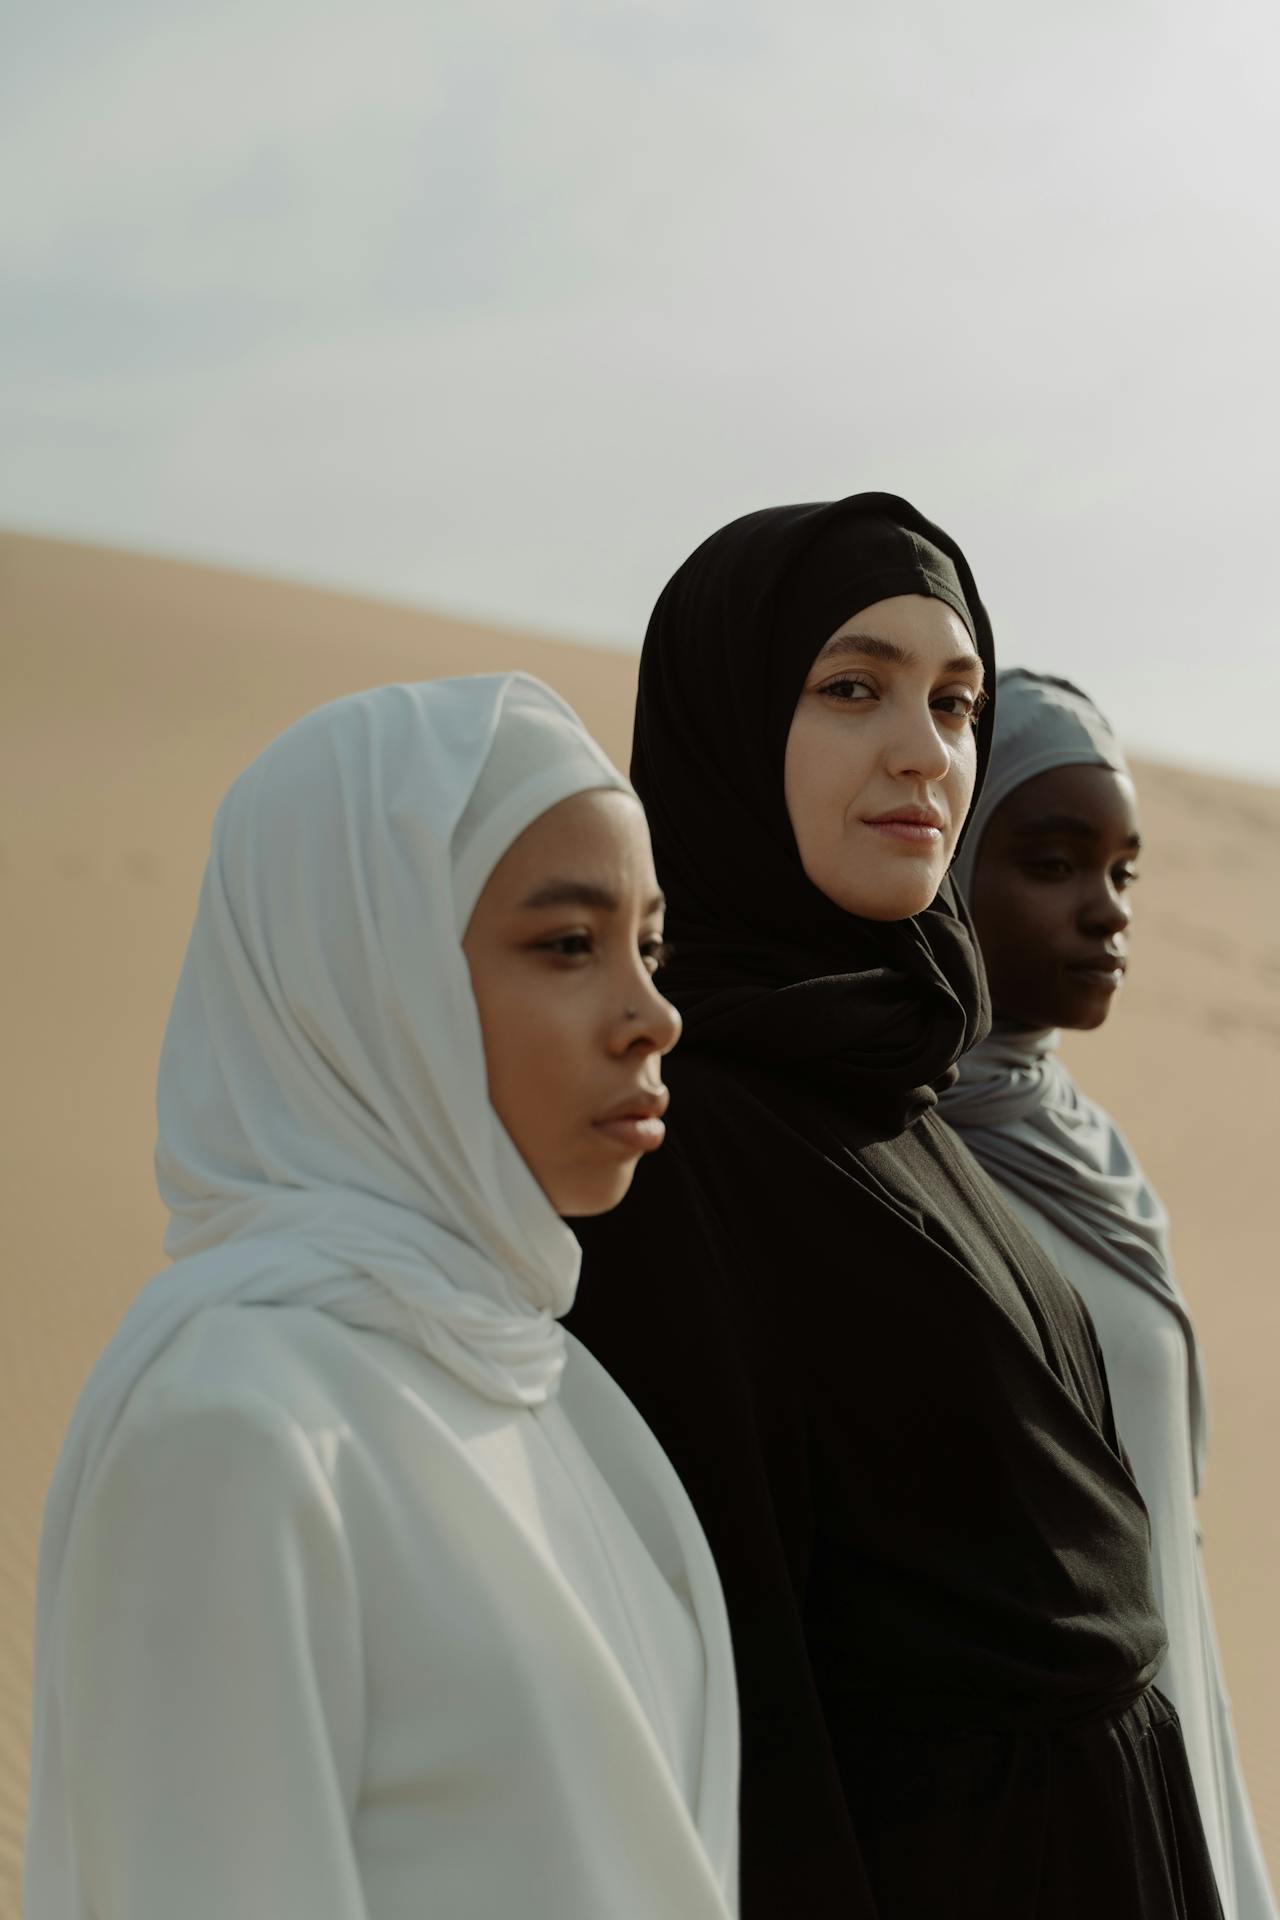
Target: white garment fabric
337	1176
1147	1362
436	1654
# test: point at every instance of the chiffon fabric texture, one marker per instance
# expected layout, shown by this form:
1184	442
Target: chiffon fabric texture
338	1562
887	1405
1070	1175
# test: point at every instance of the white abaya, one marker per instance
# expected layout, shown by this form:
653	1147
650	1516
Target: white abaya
364	1594
350	1642
1147	1361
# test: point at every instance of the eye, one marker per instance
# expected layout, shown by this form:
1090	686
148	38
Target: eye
567	946
656	953
962	704
1125	877
1049	866
848	689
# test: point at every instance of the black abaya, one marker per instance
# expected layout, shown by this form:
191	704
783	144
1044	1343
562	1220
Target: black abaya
888	1407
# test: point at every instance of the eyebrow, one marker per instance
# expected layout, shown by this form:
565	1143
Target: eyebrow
1045	823
872	647
582	893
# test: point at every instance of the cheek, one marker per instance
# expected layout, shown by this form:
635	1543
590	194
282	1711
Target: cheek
525	1048
961	779
826	768
535	1053
1025	925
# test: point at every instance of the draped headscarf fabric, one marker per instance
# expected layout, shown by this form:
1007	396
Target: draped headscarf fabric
764	963
1015	1103
322	1093
1044	722
326	1138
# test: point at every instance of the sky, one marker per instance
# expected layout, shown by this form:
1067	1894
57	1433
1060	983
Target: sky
501	306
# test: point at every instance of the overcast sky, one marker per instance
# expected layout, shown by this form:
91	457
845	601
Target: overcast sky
502	305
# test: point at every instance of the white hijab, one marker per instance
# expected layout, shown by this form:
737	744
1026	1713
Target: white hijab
325	1133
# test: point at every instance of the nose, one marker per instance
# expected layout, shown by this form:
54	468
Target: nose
1106	910
648	1023
917	749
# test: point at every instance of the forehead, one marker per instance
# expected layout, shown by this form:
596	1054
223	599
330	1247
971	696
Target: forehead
599	836
1098	797
915	621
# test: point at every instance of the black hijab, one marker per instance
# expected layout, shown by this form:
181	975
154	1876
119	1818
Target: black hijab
764	964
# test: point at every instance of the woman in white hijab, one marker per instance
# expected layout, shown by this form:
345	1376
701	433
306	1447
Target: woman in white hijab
1047	870
364	1593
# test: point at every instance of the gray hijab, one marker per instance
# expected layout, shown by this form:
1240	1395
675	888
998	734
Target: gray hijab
1019	1110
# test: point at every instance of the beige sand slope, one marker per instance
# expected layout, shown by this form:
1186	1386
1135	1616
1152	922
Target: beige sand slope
136	688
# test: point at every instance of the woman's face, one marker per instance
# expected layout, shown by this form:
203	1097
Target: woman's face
882	755
562	946
1050	896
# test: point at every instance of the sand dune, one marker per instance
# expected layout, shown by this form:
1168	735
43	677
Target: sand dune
136	688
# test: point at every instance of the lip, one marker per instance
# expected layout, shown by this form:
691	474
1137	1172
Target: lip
915	826
1106	971
635	1124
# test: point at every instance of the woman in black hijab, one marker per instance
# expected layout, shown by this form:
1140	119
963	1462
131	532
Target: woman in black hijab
888	1407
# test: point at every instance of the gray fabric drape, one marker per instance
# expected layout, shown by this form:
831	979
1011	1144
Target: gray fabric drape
1014	1102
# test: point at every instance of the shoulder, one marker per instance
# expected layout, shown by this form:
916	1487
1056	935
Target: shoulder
229	1454
207	1541
242	1382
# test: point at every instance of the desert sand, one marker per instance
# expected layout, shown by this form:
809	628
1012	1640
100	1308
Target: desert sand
135	689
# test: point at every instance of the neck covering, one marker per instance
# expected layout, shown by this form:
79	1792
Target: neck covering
764	964
1016	1105
325	1133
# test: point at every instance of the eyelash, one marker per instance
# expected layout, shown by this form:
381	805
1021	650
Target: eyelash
580	946
976	701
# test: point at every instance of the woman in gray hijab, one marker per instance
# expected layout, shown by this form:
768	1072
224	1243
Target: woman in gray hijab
1046	869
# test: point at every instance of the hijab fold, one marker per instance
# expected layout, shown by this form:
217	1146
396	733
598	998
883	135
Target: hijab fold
1015	1103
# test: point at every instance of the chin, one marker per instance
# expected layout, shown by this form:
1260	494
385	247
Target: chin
1084	1018
584	1198
892	902
1077	1013
892	886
